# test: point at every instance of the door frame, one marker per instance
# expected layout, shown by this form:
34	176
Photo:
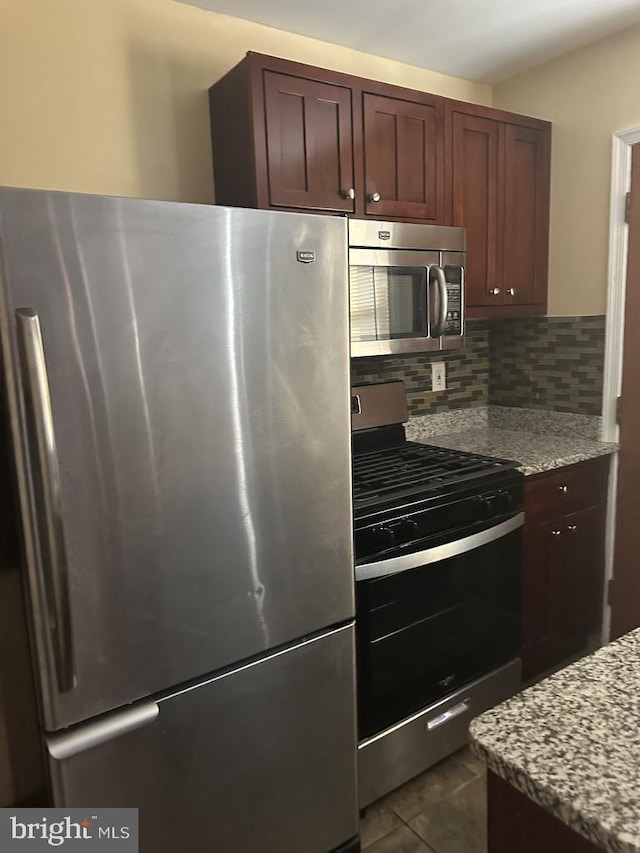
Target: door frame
614	331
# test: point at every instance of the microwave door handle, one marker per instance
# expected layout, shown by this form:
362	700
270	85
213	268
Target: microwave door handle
437	330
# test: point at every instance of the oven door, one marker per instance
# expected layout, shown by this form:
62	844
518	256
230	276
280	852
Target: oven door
398	301
434	619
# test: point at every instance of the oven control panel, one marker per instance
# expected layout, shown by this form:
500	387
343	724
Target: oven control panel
433	522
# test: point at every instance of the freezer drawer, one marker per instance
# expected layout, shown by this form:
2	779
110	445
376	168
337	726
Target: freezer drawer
259	760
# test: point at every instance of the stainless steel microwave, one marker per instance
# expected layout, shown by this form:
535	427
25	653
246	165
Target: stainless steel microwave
406	287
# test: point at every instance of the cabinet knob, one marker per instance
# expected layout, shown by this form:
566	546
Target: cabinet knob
494	291
572	528
350	193
511	291
556	532
375	196
563	489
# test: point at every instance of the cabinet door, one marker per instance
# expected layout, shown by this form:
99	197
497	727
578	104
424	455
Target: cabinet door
309	143
562	587
475	203
542	559
402	158
580	588
525	163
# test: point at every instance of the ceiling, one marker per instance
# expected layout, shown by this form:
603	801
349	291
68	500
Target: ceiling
483	40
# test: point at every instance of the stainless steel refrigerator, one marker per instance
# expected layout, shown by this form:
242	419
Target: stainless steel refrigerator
178	391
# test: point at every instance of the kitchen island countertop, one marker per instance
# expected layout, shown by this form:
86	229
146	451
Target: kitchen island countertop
538	440
571	743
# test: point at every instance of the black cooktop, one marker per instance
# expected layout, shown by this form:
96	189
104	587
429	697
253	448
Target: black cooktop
384	474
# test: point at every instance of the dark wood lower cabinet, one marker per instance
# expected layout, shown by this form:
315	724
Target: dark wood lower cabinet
563	563
516	823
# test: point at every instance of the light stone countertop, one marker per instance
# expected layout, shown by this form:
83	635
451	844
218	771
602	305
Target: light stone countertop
539	440
571	743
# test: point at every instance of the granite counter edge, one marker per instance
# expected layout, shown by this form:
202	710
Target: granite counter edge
601	449
586	826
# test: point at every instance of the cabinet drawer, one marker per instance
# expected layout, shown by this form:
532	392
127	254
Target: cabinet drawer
565	490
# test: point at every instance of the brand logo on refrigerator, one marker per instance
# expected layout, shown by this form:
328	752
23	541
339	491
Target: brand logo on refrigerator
306	257
384	235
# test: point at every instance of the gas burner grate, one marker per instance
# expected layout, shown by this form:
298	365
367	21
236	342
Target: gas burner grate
382	472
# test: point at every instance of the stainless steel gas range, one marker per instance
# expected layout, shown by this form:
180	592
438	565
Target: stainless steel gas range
438	539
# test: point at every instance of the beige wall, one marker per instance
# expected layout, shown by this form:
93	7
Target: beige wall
109	96
588	94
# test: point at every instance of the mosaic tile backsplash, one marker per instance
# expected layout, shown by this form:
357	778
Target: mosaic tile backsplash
548	363
538	363
467	374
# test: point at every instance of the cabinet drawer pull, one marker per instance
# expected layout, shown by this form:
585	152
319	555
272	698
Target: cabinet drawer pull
511	291
350	193
556	532
572	528
494	291
563	489
375	196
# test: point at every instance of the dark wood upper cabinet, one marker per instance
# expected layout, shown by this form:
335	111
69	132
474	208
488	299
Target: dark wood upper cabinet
281	138
526	156
499	174
289	136
292	136
474	152
309	143
402	146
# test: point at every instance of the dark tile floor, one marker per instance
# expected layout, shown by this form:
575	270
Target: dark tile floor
441	811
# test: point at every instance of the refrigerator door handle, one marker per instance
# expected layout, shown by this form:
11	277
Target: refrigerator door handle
45	487
87	735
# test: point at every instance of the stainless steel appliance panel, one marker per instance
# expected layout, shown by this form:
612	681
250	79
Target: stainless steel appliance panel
260	760
403	235
411	746
406	285
371	404
179	385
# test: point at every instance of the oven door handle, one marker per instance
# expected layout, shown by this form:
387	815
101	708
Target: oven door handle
395	565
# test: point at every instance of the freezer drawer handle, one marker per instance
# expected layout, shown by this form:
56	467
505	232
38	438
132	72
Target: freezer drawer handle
52	558
87	735
448	715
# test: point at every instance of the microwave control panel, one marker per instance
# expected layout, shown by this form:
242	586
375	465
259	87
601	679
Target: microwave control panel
453	324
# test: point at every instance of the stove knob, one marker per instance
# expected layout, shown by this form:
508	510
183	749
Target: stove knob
384	536
482	508
504	502
410	528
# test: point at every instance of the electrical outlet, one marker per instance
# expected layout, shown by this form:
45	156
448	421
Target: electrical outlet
438	376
